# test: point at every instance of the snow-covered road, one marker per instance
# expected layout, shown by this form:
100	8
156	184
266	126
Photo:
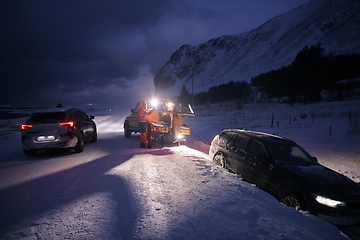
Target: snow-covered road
117	190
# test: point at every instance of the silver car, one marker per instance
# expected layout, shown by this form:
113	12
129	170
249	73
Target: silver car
58	128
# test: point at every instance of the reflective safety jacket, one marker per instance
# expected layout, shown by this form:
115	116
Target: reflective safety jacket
143	114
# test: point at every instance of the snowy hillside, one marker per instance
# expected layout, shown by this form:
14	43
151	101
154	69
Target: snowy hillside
270	46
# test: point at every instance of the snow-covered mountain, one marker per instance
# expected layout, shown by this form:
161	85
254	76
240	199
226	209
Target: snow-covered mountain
333	23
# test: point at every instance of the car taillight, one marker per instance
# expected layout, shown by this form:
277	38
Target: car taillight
70	124
24	126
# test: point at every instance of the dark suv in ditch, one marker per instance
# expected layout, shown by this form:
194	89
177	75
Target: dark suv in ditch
282	168
57	128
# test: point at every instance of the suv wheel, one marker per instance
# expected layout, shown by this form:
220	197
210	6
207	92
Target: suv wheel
293	200
220	159
79	147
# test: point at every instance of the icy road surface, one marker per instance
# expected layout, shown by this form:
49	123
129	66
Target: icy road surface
117	190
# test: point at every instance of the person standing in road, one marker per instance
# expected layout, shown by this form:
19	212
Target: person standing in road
143	125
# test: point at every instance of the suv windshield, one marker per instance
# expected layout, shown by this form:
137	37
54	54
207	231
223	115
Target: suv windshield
291	154
52	117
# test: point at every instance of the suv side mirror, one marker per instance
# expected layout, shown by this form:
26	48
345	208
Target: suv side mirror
132	110
316	160
92	117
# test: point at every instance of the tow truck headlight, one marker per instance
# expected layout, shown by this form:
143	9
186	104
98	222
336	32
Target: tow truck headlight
329	202
180	136
170	106
154	103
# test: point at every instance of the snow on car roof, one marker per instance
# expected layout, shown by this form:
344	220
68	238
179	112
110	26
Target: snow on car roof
262	135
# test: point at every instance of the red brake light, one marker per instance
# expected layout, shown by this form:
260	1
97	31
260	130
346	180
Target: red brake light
71	124
24	126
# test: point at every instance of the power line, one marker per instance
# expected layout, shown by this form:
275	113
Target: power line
70	61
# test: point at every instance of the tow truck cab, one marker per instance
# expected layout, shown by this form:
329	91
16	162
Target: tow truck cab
165	121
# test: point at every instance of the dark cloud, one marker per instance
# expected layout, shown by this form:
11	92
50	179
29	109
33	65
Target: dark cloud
108	51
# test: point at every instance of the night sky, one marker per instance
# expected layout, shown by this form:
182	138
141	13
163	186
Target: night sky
107	52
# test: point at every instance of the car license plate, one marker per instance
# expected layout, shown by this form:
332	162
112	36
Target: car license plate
46	138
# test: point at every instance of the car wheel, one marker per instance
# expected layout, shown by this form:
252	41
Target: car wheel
293	200
79	147
30	153
220	159
94	138
127	131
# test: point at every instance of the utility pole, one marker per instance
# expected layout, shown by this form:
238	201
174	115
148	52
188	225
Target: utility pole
192	87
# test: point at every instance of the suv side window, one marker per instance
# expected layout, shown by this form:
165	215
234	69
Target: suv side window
85	115
240	142
77	115
256	149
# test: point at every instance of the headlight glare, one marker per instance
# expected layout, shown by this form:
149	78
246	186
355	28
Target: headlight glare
329	202
154	103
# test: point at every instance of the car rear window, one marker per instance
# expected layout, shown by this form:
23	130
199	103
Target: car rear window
53	117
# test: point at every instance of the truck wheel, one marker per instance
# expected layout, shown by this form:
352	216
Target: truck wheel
127	131
94	138
162	140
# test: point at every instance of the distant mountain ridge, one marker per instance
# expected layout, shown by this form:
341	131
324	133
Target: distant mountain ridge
333	23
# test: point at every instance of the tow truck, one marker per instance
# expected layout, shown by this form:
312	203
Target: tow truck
166	122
